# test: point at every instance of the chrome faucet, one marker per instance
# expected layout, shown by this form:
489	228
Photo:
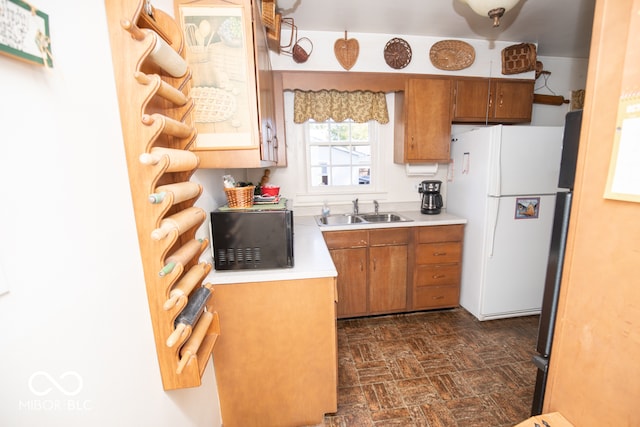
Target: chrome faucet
375	206
355	207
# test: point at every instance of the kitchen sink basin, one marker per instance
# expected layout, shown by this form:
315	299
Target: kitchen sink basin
338	219
365	218
383	217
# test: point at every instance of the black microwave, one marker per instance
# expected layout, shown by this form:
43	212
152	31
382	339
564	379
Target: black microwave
252	239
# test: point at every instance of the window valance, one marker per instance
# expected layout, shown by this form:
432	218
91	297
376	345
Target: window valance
359	106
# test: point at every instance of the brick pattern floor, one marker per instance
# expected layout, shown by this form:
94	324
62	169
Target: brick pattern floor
434	369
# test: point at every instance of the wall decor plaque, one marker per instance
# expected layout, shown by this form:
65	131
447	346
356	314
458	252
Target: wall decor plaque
397	53
452	55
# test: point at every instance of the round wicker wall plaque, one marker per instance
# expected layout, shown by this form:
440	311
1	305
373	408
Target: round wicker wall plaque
397	53
452	55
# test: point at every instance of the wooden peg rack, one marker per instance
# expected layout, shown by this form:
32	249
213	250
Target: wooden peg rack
158	130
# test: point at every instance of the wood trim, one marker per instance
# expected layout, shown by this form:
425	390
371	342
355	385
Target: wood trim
342	80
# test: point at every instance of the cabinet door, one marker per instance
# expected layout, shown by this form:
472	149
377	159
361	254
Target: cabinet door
471	102
387	278
352	281
513	101
428	120
265	91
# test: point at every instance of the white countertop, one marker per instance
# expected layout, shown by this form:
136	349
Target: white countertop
418	220
311	256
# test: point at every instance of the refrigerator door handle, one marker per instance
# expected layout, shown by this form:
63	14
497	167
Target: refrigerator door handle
494	214
495	162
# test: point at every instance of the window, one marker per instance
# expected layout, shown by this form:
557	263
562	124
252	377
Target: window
340	154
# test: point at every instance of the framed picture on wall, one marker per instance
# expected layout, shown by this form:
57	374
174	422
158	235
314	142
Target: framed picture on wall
24	33
223	73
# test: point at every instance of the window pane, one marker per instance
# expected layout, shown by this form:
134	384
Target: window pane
363	176
340	154
319	132
319	176
319	155
341	175
340	132
360	132
361	154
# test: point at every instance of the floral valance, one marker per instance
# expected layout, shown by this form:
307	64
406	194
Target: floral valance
359	106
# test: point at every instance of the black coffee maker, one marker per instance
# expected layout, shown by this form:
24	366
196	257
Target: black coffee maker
431	197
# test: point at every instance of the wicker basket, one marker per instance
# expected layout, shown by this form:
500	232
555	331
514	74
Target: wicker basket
240	197
519	58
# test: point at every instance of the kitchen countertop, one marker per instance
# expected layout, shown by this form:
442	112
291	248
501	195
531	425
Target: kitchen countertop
311	256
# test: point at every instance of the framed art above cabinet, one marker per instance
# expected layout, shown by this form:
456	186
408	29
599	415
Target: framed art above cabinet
231	83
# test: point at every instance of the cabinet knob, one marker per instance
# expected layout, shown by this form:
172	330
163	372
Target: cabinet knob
438	276
439	253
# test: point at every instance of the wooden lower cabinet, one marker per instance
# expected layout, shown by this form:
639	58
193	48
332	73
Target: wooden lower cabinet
438	264
351	264
387	278
276	362
395	270
372	270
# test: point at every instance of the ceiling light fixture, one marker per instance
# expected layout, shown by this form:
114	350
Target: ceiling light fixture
492	8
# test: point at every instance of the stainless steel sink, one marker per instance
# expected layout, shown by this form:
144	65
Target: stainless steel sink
364	218
338	219
383	217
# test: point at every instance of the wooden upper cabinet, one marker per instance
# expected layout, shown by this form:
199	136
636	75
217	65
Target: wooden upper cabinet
513	101
232	84
478	100
423	121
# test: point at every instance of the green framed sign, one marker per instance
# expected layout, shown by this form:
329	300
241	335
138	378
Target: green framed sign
24	32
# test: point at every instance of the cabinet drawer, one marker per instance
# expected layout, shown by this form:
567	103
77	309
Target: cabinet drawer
438	275
389	236
346	239
438	253
436	297
441	233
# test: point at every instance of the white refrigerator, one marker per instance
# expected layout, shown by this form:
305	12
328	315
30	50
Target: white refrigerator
504	180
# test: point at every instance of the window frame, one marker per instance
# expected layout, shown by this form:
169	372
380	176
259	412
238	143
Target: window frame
376	172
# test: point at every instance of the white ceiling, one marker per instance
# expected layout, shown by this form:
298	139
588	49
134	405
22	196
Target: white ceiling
560	27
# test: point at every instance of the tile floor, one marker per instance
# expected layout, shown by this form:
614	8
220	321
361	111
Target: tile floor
436	369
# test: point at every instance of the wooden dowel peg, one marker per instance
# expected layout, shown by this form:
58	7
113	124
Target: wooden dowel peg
179	160
165	90
181	191
192	345
181	328
133	29
181	221
187	283
169	126
183	255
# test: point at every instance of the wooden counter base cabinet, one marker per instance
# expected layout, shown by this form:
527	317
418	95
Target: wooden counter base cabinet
438	264
276	363
396	270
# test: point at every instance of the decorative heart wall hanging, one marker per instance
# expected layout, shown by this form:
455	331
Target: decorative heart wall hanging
346	51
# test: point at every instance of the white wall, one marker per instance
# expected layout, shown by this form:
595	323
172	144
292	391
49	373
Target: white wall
399	189
69	251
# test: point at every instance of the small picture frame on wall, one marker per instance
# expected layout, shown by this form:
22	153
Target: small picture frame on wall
623	181
24	33
527	207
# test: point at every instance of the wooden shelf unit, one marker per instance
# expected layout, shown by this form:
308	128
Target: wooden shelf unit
155	112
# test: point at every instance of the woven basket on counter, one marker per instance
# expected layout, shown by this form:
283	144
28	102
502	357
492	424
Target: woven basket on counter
240	197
